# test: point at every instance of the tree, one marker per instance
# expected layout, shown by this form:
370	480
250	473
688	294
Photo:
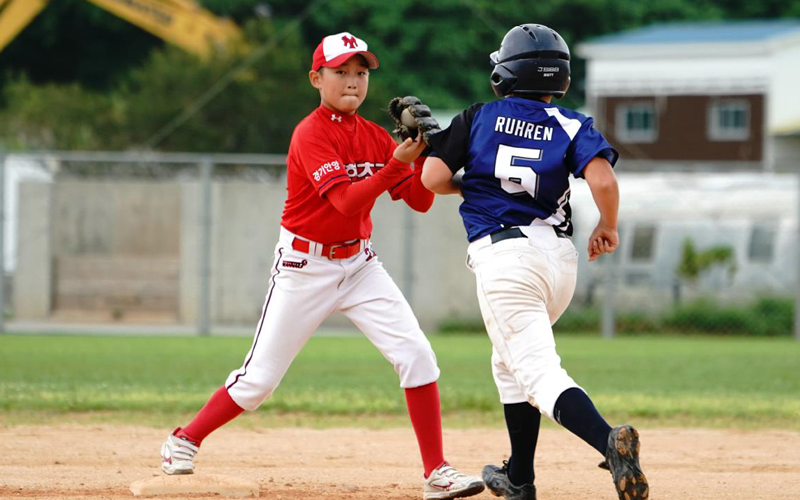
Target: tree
255	113
693	263
79	77
74	41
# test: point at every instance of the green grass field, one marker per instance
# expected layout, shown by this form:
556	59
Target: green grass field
668	381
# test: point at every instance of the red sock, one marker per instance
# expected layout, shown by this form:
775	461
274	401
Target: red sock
426	417
219	410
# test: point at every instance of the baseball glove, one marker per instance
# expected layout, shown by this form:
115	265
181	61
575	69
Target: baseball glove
411	116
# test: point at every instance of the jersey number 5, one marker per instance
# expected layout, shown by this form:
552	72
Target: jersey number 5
515	169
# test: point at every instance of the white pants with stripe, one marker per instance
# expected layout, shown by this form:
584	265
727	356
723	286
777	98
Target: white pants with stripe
303	291
524	286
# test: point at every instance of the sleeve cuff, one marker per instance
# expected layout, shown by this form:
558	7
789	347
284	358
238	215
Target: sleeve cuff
610	154
447	162
394	191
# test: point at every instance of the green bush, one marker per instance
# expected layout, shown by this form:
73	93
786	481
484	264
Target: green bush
579	320
637	322
462	325
775	316
767	317
707	317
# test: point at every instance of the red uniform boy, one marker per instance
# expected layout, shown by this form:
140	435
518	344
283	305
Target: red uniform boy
338	164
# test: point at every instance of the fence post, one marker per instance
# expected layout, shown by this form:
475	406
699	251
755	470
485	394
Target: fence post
797	271
203	318
408	255
2	241
607	319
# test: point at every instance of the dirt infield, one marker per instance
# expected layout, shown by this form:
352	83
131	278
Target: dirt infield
84	461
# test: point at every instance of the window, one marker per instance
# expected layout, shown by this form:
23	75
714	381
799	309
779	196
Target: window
637	122
762	243
638	278
643	243
729	120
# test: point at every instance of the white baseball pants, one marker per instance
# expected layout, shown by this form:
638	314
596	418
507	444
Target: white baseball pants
304	290
524	286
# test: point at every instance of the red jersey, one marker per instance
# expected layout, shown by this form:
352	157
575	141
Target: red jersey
327	149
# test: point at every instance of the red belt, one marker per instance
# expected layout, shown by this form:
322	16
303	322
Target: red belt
333	252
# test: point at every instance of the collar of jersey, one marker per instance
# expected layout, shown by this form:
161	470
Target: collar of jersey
327	112
530	101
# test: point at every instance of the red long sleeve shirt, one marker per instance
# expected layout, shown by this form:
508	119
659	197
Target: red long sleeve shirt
328	154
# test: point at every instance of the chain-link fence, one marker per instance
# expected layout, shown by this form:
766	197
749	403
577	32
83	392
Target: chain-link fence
187	240
177	239
118	238
699	253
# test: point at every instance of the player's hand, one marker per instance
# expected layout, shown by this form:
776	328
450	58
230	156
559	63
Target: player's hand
410	149
604	239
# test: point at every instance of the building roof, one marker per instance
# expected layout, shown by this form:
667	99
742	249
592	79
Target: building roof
703	58
702	32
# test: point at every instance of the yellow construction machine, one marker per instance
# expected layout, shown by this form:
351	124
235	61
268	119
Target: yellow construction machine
183	23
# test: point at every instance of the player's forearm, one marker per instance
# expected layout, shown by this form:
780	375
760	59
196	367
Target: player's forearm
437	177
418	197
603	183
606	197
351	198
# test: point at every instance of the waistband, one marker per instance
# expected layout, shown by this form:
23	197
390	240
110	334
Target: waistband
332	251
532	231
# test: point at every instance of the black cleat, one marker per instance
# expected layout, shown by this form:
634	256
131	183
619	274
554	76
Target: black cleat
622	459
496	479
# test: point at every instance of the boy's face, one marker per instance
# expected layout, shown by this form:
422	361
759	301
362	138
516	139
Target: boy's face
344	87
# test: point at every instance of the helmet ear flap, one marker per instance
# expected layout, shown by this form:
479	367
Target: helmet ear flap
566	87
503	81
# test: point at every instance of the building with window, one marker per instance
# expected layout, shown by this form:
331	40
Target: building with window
752	215
699	96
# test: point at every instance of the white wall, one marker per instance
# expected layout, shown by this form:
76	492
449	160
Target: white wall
784	98
16	172
33	284
246	221
710	208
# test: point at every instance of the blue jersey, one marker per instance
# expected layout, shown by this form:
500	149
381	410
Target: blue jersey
517	156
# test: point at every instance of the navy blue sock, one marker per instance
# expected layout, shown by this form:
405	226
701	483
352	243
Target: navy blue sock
576	412
522	421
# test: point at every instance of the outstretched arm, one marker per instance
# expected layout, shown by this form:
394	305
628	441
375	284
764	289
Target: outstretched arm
437	177
350	198
605	191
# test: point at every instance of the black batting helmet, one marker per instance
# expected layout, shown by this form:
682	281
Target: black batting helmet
533	59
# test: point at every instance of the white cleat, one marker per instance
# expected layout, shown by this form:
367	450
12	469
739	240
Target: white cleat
447	482
177	455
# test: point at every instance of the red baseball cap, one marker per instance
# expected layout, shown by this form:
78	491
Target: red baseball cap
335	50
